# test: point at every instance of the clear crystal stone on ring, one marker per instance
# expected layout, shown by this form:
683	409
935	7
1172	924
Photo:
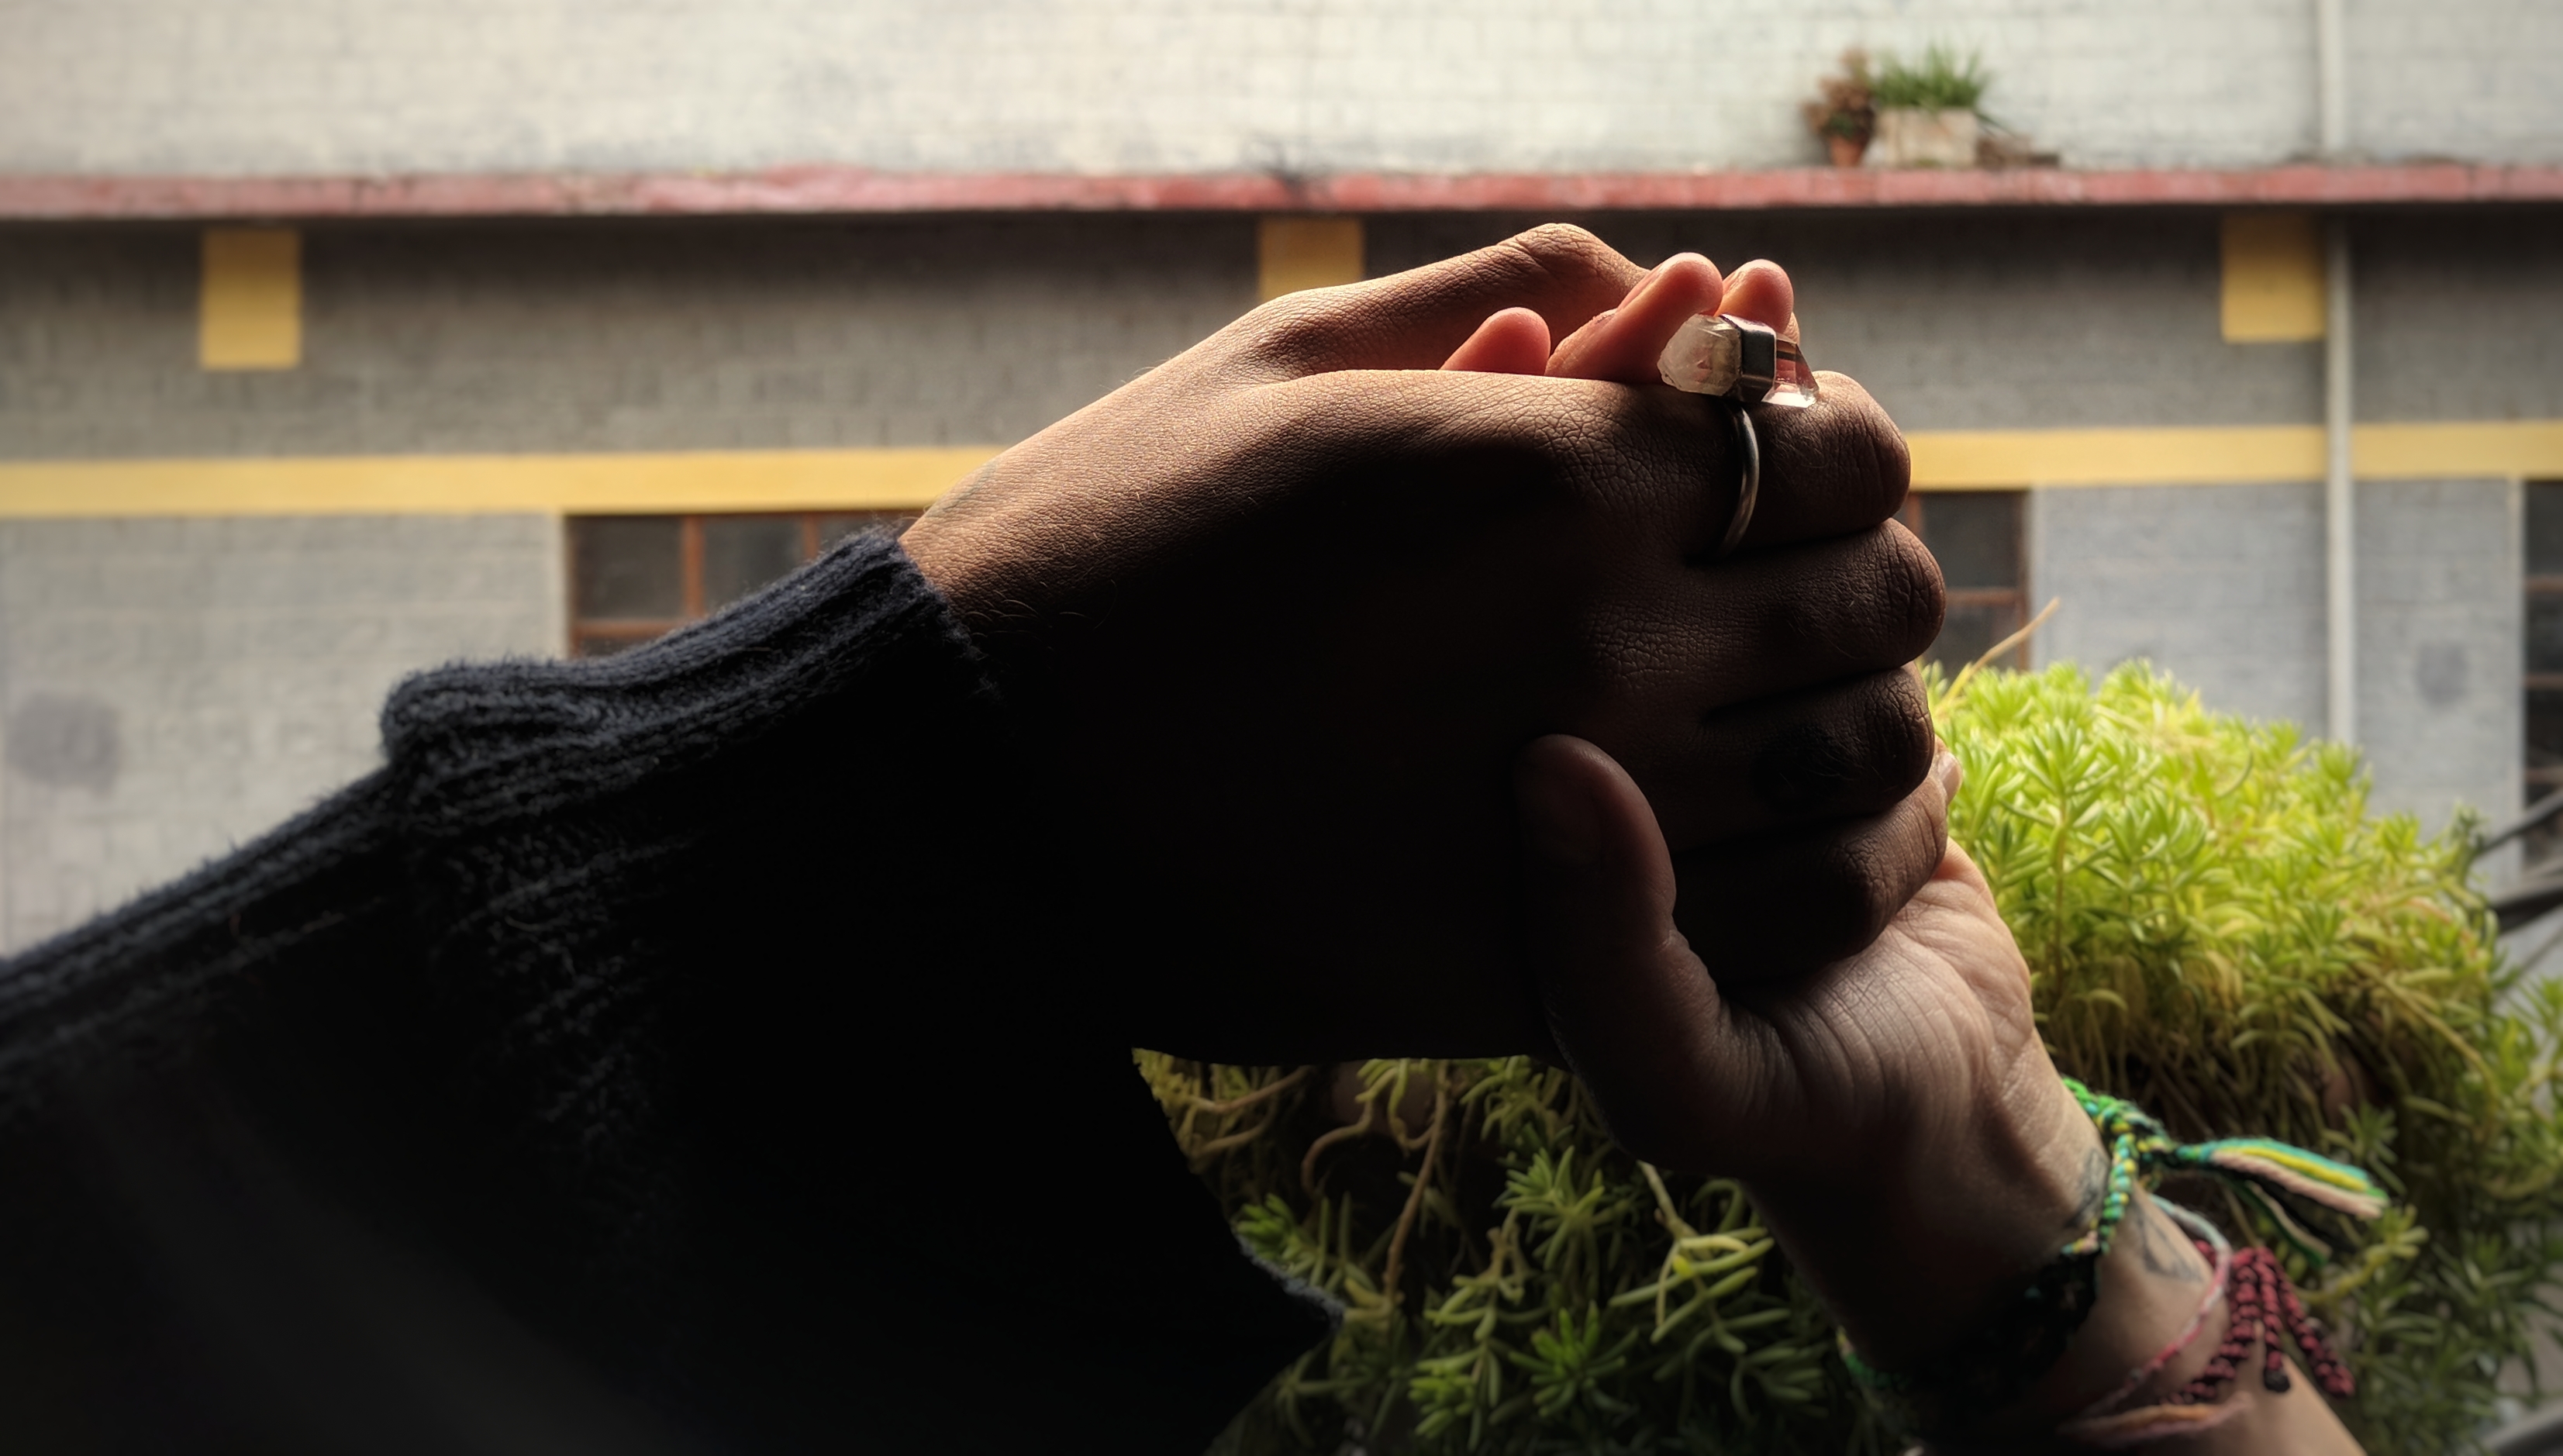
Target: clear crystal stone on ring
1736	357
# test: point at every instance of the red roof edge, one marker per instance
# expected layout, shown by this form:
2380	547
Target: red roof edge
825	190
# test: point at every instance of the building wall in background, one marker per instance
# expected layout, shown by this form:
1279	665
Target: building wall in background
2459	317
362	87
2223	585
2001	320
2440	710
169	689
676	336
241	661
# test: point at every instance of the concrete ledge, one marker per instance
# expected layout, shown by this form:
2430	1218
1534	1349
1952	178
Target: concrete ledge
832	190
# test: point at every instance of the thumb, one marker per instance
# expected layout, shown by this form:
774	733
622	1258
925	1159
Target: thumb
1631	1008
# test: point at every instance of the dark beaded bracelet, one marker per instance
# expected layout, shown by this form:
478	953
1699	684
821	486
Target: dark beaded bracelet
1996	1363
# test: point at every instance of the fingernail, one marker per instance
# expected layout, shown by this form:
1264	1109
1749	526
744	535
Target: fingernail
1559	825
1657	276
1951	773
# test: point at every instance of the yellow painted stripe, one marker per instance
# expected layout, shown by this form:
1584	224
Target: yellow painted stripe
1954	459
1993	459
706	481
2477	448
892	479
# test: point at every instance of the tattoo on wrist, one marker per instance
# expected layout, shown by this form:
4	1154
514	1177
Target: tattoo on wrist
2165	1253
2096	1188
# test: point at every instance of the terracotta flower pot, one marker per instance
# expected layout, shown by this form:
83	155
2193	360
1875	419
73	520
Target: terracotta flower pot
1910	136
1845	149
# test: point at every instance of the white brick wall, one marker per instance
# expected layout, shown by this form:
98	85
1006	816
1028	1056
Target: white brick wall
2220	586
363	86
169	689
2441	613
2223	586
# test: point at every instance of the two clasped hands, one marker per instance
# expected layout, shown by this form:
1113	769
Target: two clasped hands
1390	670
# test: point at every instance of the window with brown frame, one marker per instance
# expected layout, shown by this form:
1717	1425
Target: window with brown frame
1977	536
635	577
2542	672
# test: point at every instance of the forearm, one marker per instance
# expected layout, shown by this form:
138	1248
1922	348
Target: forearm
2153	1285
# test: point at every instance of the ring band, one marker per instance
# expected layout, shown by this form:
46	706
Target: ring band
1748	447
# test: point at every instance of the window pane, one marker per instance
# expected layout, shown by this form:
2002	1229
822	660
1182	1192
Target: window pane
2545	527
626	566
2545	633
594	645
833	529
1970	631
2545	729
744	552
1975	536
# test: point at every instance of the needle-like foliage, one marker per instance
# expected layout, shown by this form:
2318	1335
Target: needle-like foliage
2216	929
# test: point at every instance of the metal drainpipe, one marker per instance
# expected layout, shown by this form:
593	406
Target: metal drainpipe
2340	496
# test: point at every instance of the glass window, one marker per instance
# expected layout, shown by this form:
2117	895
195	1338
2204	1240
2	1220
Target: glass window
628	567
635	577
2544	666
2544	631
1976	537
2545	527
833	529
744	552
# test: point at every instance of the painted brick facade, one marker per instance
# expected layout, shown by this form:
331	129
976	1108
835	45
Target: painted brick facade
2221	585
2439	645
564	337
171	688
671	335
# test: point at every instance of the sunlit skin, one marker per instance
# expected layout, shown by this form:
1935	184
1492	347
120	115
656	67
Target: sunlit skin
1622	344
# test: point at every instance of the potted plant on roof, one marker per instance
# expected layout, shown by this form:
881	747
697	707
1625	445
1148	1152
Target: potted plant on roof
1842	113
1929	112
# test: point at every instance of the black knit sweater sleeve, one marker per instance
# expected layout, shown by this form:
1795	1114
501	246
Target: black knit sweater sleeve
685	1049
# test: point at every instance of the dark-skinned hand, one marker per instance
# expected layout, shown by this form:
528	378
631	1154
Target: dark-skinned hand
1287	606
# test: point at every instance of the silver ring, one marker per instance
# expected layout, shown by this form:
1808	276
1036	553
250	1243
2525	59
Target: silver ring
1749	482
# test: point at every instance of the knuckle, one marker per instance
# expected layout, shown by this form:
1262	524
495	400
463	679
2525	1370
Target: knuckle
1563	249
1914	598
1861	603
1846	448
1864	894
1301	333
1858	748
1896	731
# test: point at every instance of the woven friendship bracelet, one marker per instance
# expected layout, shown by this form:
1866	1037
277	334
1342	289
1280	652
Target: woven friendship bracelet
1993	1365
2140	1144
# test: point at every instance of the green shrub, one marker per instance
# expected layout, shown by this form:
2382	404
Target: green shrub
1940	81
2216	929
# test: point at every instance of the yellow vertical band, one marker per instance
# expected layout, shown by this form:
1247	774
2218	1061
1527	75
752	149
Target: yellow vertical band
250	309
2273	278
1294	253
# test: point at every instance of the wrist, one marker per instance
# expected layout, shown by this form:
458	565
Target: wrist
1937	1234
